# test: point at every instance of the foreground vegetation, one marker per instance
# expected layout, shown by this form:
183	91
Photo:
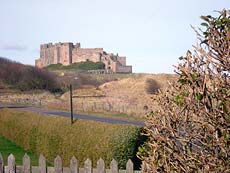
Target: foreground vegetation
51	136
190	131
7	147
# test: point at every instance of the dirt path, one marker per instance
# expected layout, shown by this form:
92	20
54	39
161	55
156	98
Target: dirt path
49	112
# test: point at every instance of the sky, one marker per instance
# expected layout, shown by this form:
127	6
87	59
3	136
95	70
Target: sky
152	34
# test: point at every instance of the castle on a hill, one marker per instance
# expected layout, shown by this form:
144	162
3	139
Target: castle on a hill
68	53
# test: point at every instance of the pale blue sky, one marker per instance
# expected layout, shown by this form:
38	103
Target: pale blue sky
152	34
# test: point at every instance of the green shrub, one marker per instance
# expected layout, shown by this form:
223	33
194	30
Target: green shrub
86	65
51	135
125	146
54	66
89	65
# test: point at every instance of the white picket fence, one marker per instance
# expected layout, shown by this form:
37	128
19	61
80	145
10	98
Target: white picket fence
11	166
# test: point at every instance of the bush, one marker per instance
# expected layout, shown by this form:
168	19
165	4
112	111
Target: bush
190	130
52	136
24	78
125	146
151	86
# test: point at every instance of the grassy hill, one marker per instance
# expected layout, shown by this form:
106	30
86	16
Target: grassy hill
130	94
104	94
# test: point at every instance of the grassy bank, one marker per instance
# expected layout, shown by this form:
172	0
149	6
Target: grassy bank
7	147
87	65
51	136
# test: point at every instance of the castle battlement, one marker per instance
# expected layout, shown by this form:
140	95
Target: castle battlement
67	53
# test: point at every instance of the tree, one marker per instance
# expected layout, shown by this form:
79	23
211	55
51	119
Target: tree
190	131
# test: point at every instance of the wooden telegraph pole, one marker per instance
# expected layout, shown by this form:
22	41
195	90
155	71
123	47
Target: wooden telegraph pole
71	102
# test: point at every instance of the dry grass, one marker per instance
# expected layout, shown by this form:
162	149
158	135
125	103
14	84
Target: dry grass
123	94
127	95
51	135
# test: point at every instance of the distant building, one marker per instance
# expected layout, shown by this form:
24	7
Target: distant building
68	53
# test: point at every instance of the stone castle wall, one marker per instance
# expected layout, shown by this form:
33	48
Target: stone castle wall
124	69
68	53
82	54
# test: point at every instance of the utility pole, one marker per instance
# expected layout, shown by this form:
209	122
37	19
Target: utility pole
71	102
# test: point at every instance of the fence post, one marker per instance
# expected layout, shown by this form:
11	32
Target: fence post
95	106
114	166
100	166
88	166
26	164
74	165
42	164
1	164
58	165
11	164
71	102
129	166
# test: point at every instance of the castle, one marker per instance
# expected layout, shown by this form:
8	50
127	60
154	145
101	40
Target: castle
68	53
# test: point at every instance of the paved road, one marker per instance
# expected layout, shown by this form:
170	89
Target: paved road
66	114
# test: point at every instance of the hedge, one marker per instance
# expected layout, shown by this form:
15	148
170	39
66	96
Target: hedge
53	135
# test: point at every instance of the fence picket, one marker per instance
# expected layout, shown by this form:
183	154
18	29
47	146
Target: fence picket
42	164
100	166
114	166
88	166
1	164
129	166
58	165
11	164
74	165
26	164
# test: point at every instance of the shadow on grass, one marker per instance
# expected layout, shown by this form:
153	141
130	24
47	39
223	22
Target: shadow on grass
13	107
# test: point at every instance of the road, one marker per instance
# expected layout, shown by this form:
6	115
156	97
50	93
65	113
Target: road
50	112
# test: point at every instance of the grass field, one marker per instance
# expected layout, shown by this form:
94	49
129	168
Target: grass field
8	147
52	136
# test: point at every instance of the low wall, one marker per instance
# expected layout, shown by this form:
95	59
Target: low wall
124	69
